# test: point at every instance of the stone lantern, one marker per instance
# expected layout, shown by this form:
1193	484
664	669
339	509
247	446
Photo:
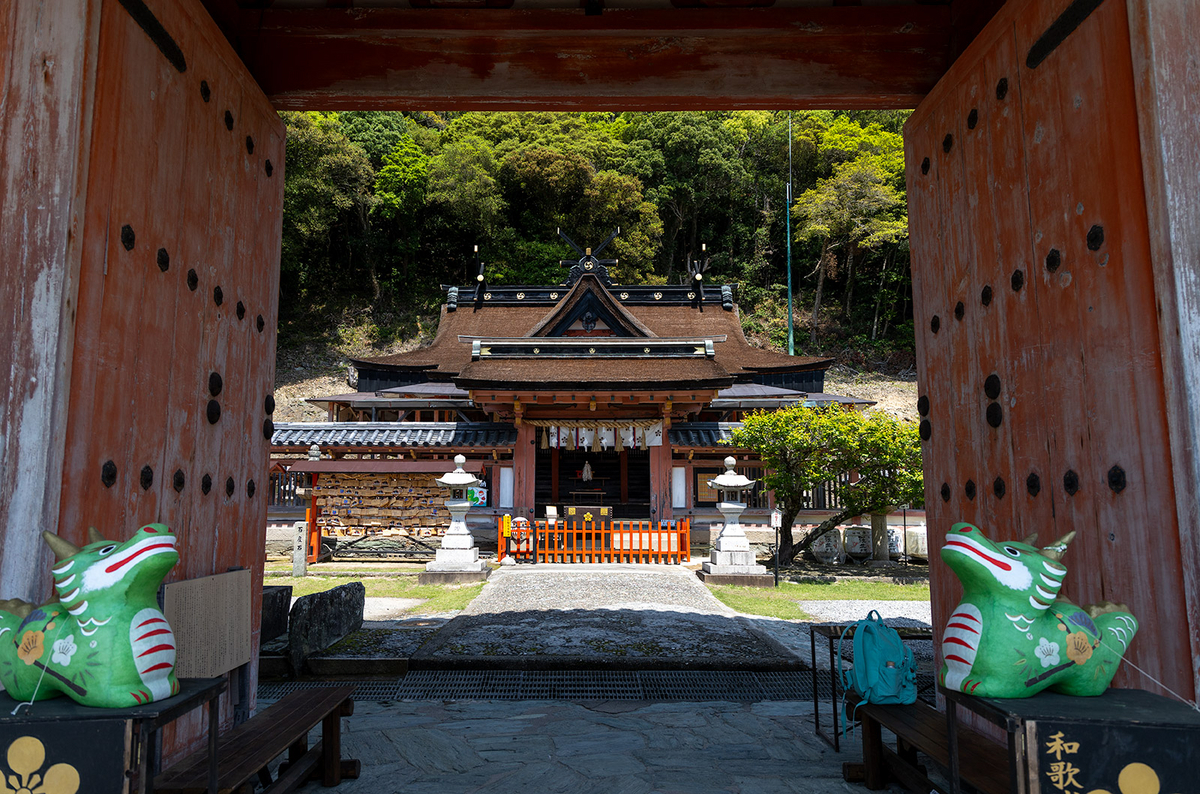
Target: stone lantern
731	560
458	558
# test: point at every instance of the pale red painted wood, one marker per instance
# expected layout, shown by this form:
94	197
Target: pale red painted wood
1167	88
524	468
1077	350
47	83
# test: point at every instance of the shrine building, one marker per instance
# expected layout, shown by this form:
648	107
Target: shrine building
587	397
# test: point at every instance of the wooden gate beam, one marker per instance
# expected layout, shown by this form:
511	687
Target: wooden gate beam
671	58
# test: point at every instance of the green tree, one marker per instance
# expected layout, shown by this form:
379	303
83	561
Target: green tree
857	208
612	200
463	187
701	169
545	186
377	132
372	198
400	183
326	200
803	447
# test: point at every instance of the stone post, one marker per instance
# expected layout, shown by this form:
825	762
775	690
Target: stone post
299	549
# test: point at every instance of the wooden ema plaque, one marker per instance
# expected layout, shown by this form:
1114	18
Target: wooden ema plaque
211	620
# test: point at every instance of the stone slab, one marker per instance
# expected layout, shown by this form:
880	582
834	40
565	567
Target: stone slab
276	603
482	747
738	579
321	619
339	667
736	570
453	577
746	557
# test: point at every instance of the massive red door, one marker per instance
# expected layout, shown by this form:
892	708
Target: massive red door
174	355
1038	335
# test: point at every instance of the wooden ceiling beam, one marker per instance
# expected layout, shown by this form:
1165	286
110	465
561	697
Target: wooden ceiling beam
648	59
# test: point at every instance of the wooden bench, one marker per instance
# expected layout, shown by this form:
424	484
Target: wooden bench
244	753
920	727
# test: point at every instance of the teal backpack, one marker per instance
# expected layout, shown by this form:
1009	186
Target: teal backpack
884	670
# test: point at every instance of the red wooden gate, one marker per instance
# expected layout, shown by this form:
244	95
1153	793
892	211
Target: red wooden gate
663	542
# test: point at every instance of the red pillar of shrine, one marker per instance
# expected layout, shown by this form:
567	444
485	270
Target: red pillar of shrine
660	481
524	471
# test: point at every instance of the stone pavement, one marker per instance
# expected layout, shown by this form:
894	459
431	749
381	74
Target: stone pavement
607	747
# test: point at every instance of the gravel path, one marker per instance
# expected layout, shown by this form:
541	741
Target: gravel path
389	608
631	613
585	587
894	613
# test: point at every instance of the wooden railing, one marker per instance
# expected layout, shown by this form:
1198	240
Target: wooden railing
662	542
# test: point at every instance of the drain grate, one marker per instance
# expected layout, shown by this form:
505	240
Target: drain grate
579	685
573	685
373	691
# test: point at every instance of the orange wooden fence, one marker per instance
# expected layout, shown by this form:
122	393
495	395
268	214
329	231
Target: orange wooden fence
663	542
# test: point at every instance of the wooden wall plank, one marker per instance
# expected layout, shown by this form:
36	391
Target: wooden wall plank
932	359
97	352
1102	300
1167	88
47	83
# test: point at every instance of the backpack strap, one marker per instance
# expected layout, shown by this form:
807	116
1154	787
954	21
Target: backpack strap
848	719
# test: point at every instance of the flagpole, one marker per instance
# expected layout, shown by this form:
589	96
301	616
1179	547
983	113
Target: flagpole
791	334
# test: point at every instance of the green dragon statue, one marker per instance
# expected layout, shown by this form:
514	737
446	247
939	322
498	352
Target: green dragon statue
103	641
1011	636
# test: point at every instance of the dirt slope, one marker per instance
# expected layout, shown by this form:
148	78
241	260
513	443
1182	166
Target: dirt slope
895	394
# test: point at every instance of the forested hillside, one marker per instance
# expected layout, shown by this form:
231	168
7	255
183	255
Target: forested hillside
382	208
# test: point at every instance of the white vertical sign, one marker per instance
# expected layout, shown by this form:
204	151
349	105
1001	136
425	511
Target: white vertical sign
506	487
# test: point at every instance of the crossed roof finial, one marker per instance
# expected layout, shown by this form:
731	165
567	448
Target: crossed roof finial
589	261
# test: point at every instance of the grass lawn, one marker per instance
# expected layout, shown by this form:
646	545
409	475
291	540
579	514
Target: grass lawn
781	602
439	598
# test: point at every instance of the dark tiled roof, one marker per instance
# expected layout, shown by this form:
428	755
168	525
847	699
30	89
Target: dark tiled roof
356	396
394	434
327	466
446	356
701	434
821	398
594	373
747	391
448	390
